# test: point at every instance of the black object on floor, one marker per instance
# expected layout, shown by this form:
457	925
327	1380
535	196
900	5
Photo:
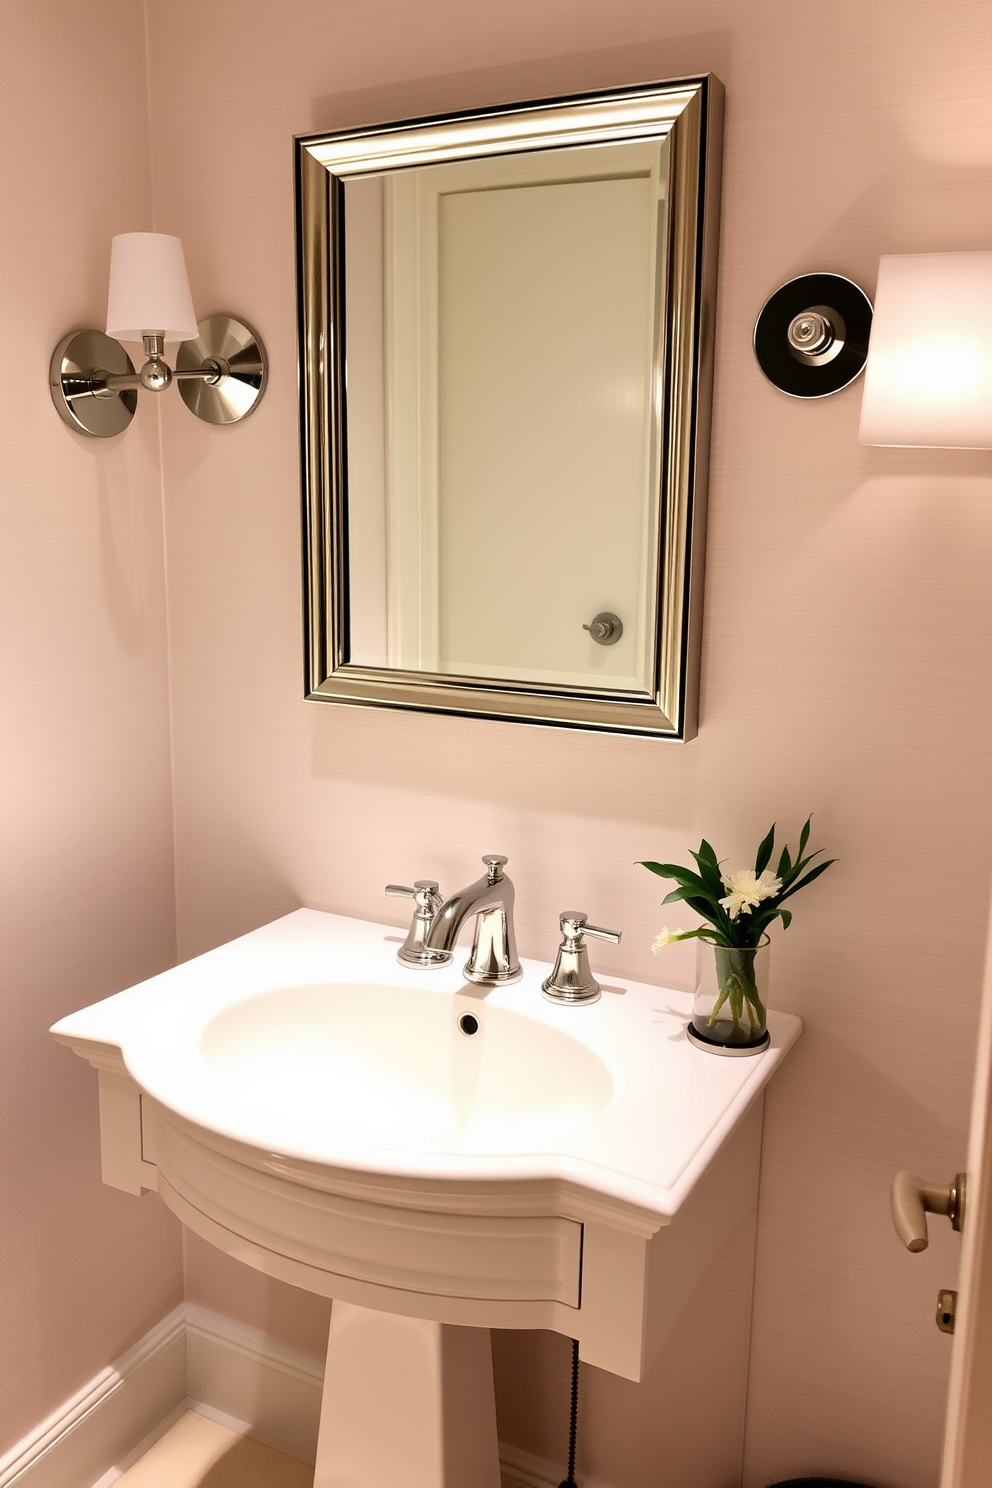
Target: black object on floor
817	1483
573	1418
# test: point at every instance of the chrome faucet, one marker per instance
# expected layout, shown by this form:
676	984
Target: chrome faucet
436	926
493	961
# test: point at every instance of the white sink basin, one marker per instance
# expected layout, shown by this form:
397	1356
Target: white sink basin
317	1110
379	1065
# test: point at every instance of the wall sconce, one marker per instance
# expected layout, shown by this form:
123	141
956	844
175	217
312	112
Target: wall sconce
220	366
926	348
811	338
929	378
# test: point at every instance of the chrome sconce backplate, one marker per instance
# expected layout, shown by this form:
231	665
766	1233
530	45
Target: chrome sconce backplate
236	351
811	338
81	363
221	376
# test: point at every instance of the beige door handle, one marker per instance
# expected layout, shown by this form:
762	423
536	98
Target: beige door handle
913	1198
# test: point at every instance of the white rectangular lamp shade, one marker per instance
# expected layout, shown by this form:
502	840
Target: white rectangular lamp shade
149	290
928	381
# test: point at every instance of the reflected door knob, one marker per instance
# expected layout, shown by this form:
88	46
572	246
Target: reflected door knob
914	1198
606	629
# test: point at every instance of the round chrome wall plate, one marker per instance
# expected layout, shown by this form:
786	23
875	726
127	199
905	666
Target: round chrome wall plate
77	361
242	370
811	338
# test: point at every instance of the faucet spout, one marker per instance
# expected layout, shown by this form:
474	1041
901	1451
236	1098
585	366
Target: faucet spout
493	960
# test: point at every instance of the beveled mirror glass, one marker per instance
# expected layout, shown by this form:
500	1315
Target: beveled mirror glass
505	327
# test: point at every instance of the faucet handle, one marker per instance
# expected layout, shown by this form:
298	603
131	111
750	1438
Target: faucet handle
414	952
423	890
575	923
572	980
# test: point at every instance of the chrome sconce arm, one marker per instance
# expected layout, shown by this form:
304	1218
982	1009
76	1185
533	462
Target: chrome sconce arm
221	376
220	367
156	375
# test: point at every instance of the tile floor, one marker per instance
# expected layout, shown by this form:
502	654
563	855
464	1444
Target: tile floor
198	1453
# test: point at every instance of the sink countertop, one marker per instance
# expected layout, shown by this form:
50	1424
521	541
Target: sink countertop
662	1108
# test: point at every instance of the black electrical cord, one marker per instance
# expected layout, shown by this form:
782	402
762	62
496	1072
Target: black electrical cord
573	1418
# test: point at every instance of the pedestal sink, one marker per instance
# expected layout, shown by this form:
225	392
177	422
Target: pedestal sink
438	1157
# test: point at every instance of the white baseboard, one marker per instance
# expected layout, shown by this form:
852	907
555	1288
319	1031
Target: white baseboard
159	1429
88	1434
243	1374
195	1359
520	1469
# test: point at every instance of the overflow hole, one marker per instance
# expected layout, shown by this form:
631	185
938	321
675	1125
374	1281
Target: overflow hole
468	1023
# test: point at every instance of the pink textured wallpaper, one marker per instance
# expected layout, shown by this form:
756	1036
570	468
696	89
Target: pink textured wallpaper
848	642
86	889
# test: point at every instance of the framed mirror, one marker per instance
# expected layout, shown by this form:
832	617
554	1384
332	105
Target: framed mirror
505	336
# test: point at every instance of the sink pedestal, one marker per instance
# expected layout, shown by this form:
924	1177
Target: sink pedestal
407	1403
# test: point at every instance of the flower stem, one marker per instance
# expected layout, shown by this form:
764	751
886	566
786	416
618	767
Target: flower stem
737	988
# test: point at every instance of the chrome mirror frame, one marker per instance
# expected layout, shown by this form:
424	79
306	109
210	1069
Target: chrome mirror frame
690	113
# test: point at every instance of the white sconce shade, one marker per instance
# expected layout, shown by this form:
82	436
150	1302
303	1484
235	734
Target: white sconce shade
149	290
928	382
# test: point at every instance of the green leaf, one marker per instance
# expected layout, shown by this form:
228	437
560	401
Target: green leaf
712	912
755	926
746	940
709	868
784	865
680	875
800	863
765	851
705	907
798	866
786	917
676	895
804	837
820	868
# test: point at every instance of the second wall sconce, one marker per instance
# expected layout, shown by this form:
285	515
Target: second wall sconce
926	349
811	338
220	366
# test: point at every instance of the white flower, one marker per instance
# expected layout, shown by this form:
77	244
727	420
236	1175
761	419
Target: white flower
747	890
664	939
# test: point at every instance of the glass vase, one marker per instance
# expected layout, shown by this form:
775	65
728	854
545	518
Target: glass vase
729	1008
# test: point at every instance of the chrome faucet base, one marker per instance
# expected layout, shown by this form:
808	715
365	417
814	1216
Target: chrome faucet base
420	959
569	995
486	978
493	962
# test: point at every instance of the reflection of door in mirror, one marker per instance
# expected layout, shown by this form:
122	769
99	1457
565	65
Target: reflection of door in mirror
502	323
